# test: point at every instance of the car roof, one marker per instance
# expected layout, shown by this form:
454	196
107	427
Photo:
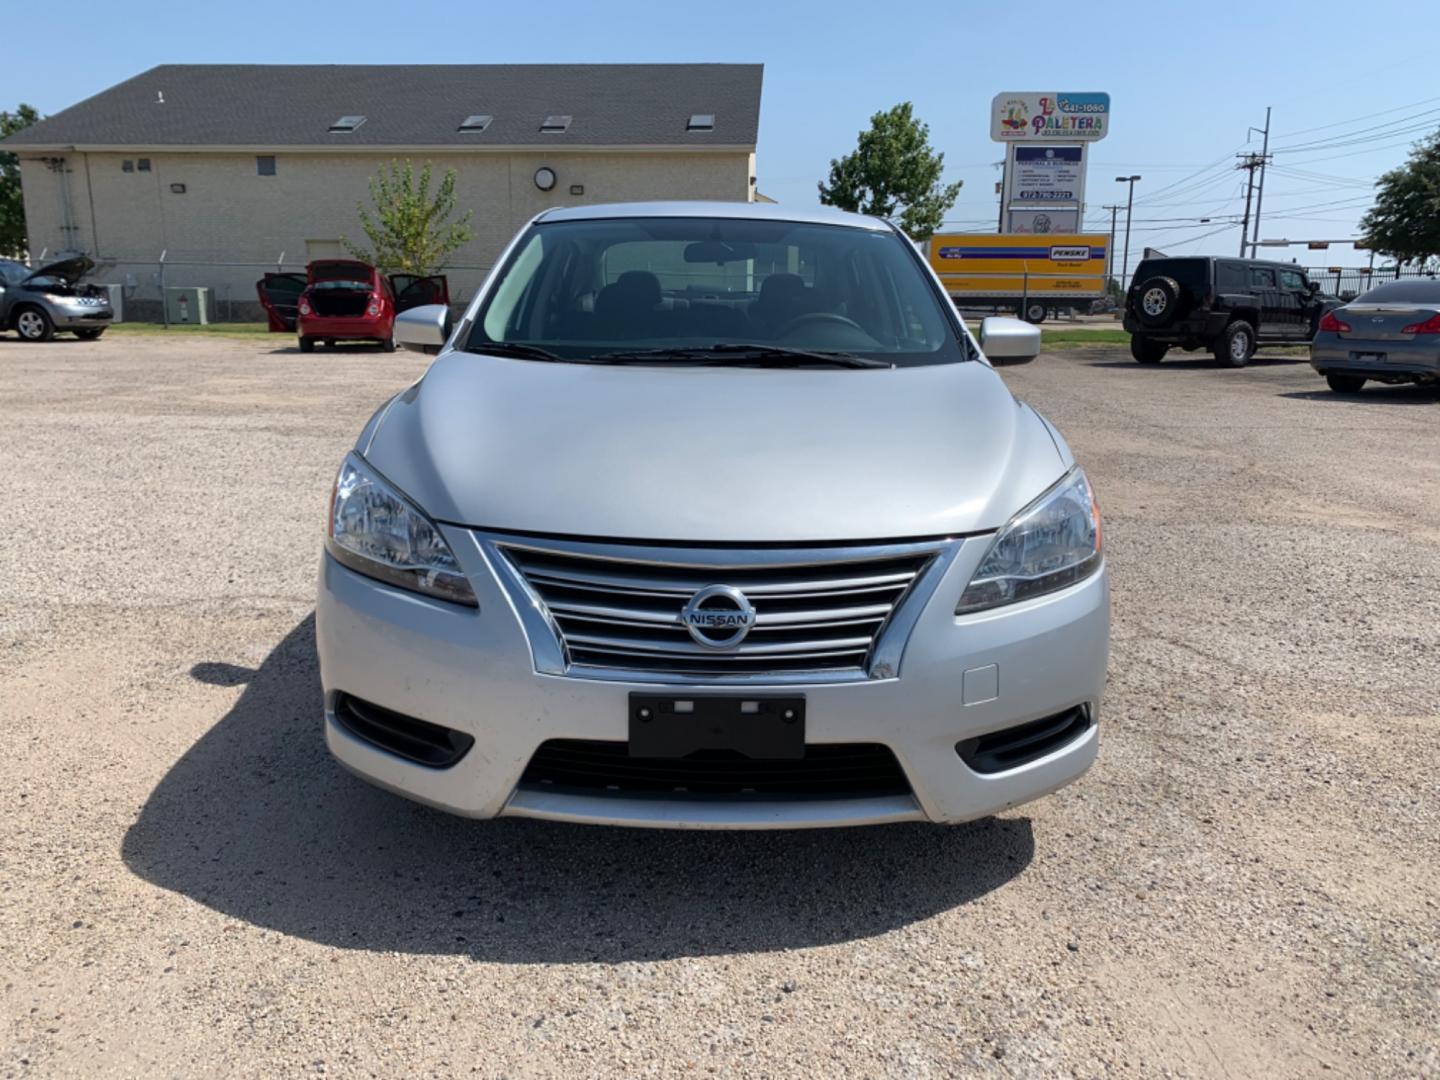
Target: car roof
810	215
1225	258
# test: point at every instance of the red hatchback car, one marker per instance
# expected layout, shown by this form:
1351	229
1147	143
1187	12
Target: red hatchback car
345	300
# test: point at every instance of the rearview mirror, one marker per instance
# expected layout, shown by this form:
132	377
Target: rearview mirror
718	251
423	329
1004	340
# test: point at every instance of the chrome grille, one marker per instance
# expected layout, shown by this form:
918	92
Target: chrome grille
818	612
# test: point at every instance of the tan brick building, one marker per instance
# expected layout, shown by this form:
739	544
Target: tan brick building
227	171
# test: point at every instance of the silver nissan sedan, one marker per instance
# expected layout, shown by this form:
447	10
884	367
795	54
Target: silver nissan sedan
713	516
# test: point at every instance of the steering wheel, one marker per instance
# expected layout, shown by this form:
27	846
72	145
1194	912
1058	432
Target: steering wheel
820	317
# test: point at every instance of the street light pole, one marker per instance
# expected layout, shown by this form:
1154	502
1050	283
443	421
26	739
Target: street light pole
1129	207
1110	251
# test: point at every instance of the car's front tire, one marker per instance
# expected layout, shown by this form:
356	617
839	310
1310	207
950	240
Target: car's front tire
1235	345
1345	384
1148	351
33	324
307	344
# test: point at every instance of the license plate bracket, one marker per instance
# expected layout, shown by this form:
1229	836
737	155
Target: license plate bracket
756	725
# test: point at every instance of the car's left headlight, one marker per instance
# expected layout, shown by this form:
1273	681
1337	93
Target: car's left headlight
1054	542
376	531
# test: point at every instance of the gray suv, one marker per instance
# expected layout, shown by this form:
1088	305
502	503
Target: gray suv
37	303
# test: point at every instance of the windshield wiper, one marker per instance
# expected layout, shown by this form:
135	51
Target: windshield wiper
519	350
734	353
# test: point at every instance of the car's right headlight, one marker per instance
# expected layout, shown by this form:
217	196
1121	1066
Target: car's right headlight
376	531
1052	543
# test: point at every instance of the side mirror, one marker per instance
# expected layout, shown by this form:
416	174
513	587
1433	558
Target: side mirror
1006	341
423	329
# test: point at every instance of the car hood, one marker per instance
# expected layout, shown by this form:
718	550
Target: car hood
714	454
70	269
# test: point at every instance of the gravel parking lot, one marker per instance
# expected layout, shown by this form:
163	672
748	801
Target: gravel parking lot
1246	884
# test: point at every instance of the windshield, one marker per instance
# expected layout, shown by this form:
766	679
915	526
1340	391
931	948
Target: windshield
579	289
341	275
1192	274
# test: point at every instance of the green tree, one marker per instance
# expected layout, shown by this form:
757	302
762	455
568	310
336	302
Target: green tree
1404	223
409	228
12	206
893	168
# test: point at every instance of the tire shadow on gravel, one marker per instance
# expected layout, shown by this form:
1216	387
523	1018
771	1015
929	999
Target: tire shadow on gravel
1192	363
1377	394
322	350
256	821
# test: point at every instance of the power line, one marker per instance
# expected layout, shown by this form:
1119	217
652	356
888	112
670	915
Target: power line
1383	131
1185	242
1194	193
1217	163
1358	119
1309	177
1357	153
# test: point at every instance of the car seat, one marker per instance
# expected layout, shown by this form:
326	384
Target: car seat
627	306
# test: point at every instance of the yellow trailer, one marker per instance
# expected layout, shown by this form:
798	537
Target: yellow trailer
1030	274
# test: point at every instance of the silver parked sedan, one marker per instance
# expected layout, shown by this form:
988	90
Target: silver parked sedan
38	303
1390	334
713	516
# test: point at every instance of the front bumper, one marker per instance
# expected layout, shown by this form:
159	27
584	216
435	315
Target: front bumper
78	317
1384	361
474	672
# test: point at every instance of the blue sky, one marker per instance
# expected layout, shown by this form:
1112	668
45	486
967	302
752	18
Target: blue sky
1349	94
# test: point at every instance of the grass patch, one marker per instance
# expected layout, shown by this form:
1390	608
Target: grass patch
238	329
1098	336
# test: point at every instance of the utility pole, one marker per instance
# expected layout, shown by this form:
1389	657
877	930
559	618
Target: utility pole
1110	251
1260	191
1129	206
1248	162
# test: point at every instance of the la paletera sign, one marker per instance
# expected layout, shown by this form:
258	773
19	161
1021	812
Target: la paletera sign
1031	116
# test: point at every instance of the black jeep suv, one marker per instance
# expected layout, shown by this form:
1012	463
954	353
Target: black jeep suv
1225	305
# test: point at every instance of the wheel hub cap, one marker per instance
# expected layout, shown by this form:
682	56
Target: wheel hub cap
1153	302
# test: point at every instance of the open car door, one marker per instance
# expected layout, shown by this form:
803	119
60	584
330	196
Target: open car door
280	296
413	291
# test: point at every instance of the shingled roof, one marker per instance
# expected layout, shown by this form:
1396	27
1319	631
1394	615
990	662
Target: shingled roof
275	106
